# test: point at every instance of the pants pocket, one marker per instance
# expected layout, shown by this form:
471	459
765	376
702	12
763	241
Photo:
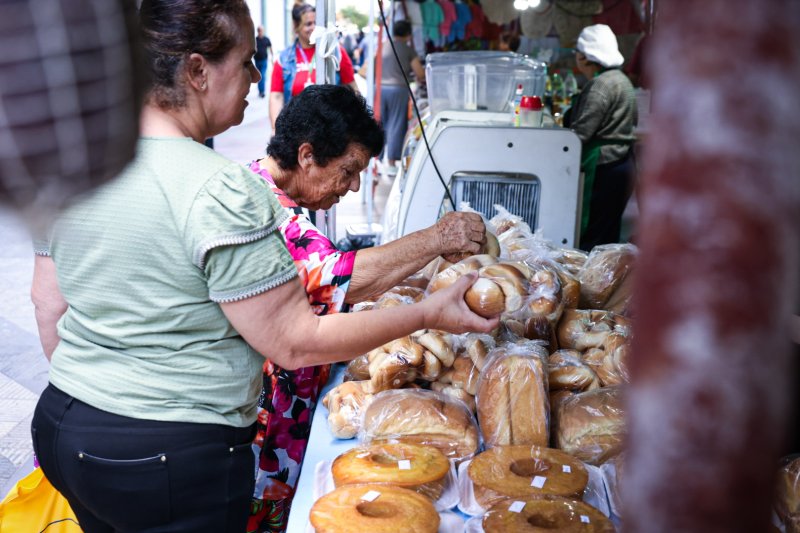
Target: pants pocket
129	494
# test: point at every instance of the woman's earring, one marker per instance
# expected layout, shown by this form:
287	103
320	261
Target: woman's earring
203	86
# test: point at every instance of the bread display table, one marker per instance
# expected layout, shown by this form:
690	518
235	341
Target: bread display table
322	446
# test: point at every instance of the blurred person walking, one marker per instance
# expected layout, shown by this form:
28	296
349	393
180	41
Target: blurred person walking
263	57
394	91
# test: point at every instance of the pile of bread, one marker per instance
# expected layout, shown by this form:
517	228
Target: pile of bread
551	375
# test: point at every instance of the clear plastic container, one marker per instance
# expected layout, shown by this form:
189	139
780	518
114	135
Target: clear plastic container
481	80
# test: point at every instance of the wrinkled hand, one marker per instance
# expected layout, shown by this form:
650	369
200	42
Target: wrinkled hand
460	235
448	311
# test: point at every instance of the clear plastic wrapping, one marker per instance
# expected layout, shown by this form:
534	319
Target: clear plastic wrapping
512	395
591	425
602	337
525	471
345	404
549	513
373	508
422	417
420	468
612	472
606	277
567	371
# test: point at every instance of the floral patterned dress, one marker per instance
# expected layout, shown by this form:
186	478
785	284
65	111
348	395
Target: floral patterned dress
288	397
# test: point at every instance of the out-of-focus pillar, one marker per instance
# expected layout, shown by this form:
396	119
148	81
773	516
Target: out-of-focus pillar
719	268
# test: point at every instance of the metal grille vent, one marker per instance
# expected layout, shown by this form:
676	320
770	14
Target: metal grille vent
519	193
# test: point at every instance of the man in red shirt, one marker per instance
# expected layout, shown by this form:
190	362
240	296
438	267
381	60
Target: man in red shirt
294	69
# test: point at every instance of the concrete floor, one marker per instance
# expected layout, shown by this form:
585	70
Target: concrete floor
23	367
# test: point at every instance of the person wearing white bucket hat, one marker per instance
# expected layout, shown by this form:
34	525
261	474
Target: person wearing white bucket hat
603	116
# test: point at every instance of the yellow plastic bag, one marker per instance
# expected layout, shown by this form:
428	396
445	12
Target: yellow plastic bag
34	506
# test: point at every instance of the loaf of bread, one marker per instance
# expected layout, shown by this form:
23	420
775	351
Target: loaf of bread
346	403
512	398
567	371
422	417
591	425
604	271
525	471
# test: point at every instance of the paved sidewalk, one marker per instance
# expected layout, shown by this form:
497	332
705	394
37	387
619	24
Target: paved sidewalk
23	367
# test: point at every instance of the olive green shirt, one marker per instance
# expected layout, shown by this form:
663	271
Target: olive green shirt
143	263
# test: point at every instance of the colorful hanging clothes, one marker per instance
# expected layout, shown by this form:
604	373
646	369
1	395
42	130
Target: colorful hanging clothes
432	17
475	27
289	397
463	17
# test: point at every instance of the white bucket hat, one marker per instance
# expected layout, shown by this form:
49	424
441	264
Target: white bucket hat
599	44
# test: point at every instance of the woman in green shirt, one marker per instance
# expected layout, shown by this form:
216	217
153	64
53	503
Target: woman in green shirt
157	294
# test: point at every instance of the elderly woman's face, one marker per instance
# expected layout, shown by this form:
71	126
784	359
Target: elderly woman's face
321	187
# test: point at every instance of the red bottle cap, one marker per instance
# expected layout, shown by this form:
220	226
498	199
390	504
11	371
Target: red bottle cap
534	103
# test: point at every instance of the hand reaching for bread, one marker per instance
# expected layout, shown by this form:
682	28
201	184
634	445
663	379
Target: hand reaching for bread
459	235
450	312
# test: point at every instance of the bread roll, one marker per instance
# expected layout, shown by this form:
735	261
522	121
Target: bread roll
396	509
572	260
438	344
614	368
584	329
423	468
591	425
485	298
455	392
448	276
394	364
511	281
604	271
567	371
491	246
422	417
545	514
512	401
477	348
510	471
346	403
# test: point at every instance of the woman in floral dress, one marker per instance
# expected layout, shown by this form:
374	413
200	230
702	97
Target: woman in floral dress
324	138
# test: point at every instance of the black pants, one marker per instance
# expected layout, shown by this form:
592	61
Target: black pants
613	185
130	475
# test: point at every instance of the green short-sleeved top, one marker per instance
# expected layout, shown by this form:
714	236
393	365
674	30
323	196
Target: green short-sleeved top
143	263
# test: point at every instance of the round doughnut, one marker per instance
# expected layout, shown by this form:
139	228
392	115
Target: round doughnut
424	469
510	471
395	509
545	514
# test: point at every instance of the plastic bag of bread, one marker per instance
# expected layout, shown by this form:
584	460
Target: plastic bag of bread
570	259
581	329
504	221
373	508
500	287
605	272
422	417
357	369
518	515
591	425
610	359
345	404
512	400
420	468
476	346
525	471
787	499
566	370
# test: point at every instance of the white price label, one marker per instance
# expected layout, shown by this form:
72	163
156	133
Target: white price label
516	507
371	496
585	519
566	469
538	482
405	464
